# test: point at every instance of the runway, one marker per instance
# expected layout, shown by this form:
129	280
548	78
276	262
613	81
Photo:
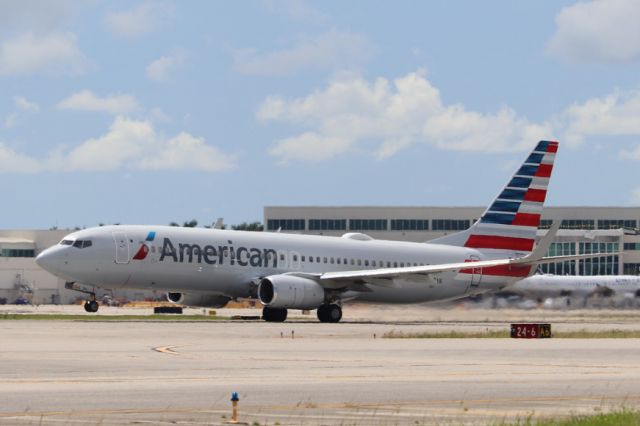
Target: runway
64	372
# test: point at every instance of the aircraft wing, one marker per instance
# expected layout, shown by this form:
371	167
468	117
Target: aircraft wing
533	258
434	269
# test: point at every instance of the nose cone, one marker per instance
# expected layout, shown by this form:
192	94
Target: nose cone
49	260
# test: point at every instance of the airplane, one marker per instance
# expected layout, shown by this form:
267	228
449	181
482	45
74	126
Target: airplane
210	267
544	286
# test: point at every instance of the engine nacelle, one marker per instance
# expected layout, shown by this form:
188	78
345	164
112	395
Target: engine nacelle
198	300
286	291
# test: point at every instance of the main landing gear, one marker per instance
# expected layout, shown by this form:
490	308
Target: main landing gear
326	313
330	313
274	314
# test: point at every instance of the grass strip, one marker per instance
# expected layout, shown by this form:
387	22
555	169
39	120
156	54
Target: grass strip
497	334
623	417
102	318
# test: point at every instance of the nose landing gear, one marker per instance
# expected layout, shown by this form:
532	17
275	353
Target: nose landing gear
91	305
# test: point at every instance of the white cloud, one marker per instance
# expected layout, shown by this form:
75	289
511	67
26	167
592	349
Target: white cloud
55	53
598	31
140	20
10	120
128	144
25	105
13	162
86	100
388	116
296	10
331	50
162	68
613	115
186	152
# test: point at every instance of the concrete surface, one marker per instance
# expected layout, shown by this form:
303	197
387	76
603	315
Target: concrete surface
104	373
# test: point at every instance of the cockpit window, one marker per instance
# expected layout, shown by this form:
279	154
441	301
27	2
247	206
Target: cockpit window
77	243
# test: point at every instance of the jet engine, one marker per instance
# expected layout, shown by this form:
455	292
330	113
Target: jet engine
198	300
288	291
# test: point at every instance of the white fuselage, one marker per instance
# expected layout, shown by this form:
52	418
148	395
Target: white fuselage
229	263
542	286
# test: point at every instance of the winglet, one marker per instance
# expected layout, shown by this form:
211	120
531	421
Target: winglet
543	245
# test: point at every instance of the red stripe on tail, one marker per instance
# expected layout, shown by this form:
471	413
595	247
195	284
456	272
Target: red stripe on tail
526	219
498	242
537	195
544	170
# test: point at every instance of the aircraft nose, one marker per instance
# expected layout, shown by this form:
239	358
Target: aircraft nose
49	260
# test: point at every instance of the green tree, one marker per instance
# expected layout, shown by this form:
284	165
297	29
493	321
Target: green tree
245	226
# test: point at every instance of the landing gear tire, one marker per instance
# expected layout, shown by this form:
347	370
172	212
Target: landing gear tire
91	306
330	313
274	314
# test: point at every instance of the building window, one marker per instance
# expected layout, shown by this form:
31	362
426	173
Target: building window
632	246
631	269
327	224
285	224
578	224
409	225
368	224
617	223
450	224
18	253
562	268
605	265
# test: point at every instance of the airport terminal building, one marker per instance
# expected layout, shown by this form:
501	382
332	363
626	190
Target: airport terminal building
584	230
613	230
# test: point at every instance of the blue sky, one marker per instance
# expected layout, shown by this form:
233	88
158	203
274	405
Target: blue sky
152	112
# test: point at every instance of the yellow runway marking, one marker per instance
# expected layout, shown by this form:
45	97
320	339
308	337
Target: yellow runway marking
166	350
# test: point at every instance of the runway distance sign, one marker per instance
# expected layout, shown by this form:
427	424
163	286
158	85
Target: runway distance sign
530	331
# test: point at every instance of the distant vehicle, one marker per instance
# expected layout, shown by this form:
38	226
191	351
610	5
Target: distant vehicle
210	267
21	301
546	286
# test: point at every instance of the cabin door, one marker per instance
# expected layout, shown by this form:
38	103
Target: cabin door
476	274
122	247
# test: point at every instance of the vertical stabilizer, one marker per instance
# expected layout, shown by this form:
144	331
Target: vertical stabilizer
508	227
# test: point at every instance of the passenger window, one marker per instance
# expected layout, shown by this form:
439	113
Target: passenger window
282	257
402	265
295	257
325	260
366	263
353	262
388	264
310	259
338	261
373	263
395	264
332	260
303	258
318	259
359	262
346	261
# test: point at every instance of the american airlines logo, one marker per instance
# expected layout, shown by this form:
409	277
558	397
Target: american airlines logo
218	255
